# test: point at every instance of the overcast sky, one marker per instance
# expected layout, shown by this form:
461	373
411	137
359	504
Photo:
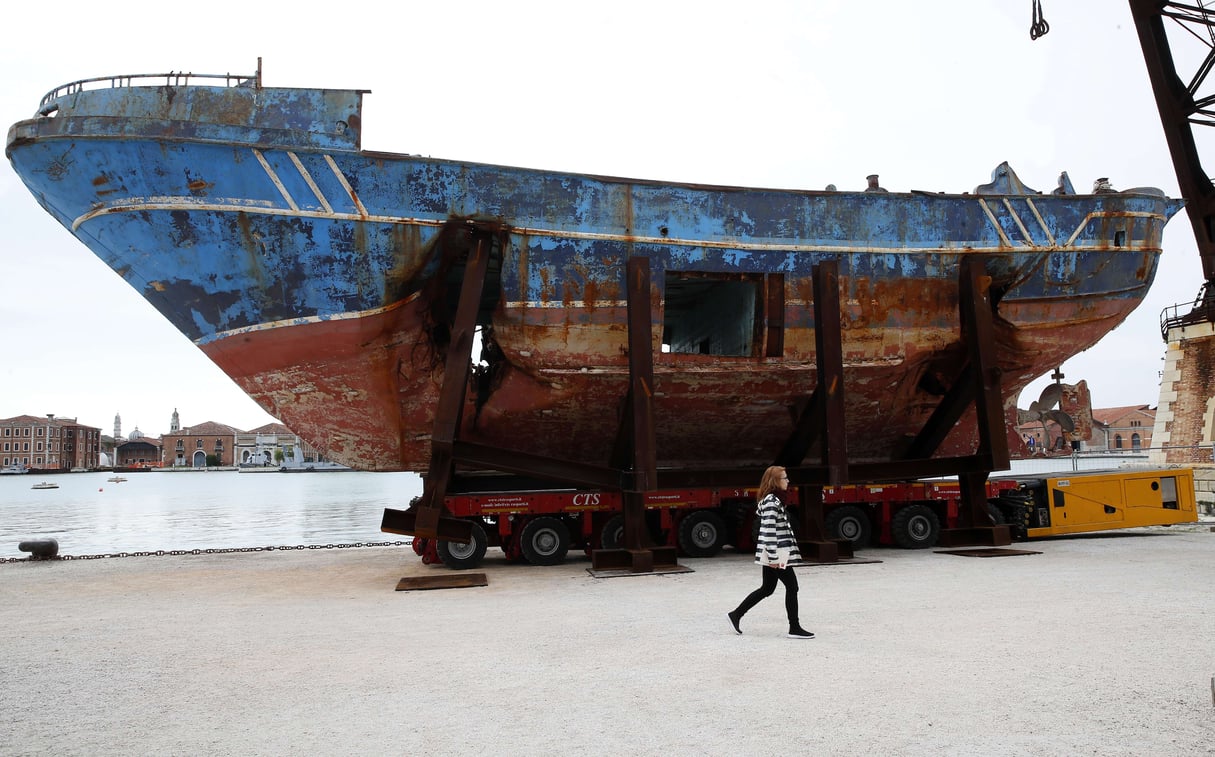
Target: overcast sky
795	94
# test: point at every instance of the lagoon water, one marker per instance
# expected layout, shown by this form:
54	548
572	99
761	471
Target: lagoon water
159	510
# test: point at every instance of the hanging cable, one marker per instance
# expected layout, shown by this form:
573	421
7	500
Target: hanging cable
1038	27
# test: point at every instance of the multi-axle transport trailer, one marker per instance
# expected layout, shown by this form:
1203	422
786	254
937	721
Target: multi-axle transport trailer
541	526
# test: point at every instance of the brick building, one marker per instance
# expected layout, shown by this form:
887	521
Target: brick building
1126	429
48	443
1109	429
138	452
200	446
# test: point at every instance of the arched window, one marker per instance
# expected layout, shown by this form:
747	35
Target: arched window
1136	442
1117	441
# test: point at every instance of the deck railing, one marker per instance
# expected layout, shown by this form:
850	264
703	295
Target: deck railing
171	79
1202	310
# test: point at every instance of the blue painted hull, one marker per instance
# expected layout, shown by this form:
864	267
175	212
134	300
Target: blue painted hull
315	274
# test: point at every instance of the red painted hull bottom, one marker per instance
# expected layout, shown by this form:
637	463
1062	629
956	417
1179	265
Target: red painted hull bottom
363	391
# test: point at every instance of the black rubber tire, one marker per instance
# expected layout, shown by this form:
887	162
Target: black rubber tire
1015	512
849	522
997	516
915	527
545	541
464	556
701	533
612	535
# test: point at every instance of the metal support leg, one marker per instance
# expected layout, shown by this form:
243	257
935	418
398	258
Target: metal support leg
813	541
428	518
975	525
828	398
638	554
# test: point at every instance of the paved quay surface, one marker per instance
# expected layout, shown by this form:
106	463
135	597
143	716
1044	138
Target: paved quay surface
1101	645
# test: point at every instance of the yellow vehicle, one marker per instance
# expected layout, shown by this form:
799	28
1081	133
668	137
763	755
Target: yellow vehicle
1079	502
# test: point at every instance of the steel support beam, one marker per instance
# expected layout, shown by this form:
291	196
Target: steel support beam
978	336
638	554
824	420
428	517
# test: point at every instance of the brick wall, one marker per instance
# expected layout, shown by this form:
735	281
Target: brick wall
1185	417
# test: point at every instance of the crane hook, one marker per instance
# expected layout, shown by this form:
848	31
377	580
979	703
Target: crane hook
1038	27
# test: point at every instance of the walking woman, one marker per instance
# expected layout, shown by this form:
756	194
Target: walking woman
775	550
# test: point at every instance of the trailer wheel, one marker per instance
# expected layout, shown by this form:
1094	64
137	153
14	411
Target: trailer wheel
464	556
849	522
915	527
545	541
997	515
701	533
612	535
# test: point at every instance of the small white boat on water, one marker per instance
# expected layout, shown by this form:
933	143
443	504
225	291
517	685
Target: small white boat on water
45	485
115	479
10	470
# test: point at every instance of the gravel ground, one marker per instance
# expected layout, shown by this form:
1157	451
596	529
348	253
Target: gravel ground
1102	645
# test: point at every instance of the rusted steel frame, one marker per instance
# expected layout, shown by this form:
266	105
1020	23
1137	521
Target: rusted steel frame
812	542
427	518
774	327
1176	104
945	416
902	470
641	389
550	469
829	347
637	554
975	525
979	380
868	472
979	337
823	417
806	431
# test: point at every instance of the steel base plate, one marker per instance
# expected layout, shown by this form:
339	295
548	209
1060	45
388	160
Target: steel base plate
990	552
445	581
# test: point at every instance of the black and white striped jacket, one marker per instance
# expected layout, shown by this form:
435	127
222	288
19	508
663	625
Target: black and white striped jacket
774	533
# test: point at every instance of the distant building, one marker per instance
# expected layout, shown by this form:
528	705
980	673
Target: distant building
1114	429
48	443
1125	429
273	445
138	452
200	446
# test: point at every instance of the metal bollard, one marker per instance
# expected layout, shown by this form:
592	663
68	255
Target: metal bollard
40	549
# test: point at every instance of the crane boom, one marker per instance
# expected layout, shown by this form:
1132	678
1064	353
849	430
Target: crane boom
1182	107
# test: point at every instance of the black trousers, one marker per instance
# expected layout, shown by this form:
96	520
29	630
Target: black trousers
771	576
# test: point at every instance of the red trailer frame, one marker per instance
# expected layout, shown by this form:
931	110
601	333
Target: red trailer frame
541	526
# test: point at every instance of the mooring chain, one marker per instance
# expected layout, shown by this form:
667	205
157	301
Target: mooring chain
214	551
1038	27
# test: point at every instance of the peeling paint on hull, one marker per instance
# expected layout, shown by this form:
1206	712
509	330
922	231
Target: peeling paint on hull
314	274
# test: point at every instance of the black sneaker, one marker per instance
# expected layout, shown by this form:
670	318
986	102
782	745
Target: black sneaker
797	632
734	622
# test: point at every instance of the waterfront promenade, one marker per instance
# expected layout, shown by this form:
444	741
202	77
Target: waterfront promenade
1098	645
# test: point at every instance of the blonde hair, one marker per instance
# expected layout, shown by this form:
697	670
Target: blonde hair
770	482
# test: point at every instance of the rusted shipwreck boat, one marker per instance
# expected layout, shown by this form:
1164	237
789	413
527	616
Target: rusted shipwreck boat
325	280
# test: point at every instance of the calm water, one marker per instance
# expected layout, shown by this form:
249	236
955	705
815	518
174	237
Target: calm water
151	511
